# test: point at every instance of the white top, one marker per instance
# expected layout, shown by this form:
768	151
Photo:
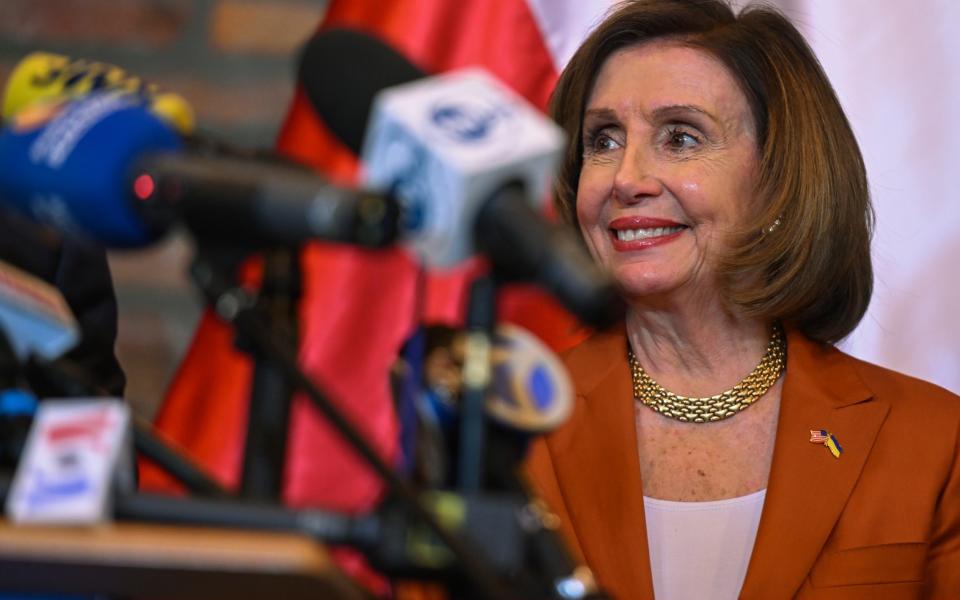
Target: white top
701	549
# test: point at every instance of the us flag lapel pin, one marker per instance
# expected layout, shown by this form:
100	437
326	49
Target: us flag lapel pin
822	436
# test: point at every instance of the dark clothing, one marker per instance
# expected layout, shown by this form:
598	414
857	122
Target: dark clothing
80	271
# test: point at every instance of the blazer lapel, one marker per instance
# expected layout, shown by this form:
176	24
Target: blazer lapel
808	487
598	469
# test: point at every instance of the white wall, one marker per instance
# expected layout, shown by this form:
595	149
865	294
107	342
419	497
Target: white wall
896	67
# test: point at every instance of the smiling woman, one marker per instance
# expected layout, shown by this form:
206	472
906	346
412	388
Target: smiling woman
668	171
721	447
806	155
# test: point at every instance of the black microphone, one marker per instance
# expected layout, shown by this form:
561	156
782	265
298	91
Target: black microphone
250	202
342	71
525	247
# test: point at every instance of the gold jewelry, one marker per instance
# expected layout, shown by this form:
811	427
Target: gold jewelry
773	226
723	405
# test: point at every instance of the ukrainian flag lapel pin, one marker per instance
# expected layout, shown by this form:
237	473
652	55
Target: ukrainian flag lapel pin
822	436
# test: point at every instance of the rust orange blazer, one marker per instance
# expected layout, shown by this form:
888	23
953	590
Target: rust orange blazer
882	522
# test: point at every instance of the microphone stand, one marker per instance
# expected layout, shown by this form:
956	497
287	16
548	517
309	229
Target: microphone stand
490	455
268	413
553	573
270	394
480	322
214	271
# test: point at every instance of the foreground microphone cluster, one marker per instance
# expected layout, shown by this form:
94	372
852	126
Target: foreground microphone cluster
455	165
468	160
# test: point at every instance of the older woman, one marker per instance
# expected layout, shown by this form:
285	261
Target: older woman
721	447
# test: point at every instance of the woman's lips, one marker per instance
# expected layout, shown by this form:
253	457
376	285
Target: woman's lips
636	233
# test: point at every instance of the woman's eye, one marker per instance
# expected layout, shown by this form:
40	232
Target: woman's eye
604	142
600	142
679	139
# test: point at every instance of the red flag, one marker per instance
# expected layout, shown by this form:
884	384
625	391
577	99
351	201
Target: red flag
359	306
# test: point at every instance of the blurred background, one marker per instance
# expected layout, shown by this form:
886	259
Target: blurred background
235	62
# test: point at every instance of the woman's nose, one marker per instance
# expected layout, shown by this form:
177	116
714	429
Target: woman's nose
636	178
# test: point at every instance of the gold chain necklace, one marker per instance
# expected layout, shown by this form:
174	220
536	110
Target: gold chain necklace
723	405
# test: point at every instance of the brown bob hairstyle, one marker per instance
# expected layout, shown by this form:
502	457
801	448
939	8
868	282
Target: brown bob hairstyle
812	270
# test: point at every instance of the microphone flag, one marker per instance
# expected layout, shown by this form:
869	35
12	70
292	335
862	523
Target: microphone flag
77	454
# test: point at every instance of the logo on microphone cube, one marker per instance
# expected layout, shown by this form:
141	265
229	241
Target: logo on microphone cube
531	390
408	165
471	120
75	453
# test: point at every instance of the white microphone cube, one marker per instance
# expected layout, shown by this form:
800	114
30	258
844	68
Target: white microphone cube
78	452
445	144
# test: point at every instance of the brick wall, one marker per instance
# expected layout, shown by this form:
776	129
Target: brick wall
234	61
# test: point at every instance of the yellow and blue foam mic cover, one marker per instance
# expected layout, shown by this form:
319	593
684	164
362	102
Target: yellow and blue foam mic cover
69	165
45	77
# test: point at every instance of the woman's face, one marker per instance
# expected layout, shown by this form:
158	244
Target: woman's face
669	167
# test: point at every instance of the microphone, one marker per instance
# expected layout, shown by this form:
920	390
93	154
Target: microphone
105	168
250	202
47	77
469	160
66	456
76	455
530	394
531	390
35	316
35	322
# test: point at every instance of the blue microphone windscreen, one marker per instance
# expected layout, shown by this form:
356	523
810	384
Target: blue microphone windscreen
69	166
